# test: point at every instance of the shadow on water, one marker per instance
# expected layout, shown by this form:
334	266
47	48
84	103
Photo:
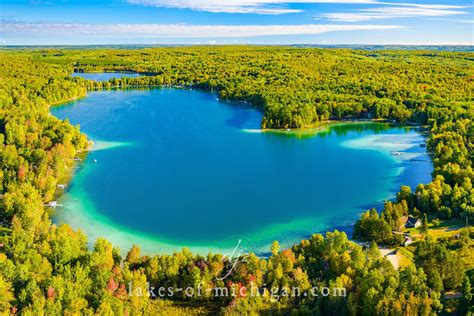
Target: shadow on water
377	205
343	129
339	129
244	118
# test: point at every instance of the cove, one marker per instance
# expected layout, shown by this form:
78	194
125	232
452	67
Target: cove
174	168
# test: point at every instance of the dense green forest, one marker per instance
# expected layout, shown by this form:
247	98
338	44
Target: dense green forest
46	269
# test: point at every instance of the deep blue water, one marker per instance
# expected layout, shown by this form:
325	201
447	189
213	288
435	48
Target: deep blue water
104	76
178	168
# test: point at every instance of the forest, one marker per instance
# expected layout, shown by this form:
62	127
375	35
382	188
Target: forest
47	269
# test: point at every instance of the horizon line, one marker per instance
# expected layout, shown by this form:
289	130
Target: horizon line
241	44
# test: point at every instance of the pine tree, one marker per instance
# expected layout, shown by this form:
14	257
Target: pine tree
373	252
424	224
435	281
466	289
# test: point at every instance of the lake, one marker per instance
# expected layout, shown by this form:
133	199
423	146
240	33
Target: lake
175	167
104	76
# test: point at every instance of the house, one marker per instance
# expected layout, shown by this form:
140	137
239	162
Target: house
401	223
52	204
452	295
412	222
407	241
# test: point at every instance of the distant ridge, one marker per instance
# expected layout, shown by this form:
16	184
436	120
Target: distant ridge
446	48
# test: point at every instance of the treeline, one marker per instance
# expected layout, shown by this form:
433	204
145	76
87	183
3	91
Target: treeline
49	270
300	87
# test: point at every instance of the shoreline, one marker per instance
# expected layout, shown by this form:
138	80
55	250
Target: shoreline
168	247
89	220
61	103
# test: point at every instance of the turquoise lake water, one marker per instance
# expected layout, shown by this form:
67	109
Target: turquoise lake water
173	168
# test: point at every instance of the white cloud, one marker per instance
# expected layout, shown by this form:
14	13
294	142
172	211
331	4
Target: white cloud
239	6
396	10
175	30
453	20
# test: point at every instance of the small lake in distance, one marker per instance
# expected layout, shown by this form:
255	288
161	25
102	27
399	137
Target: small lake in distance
104	76
174	167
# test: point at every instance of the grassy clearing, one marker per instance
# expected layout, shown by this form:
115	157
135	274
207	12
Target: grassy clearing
403	260
447	228
405	256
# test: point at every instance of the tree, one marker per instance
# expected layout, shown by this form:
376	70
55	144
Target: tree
133	256
275	248
424	224
370	227
6	295
435	281
373	252
405	194
466	289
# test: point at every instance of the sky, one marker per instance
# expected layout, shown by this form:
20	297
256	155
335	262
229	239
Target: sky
204	22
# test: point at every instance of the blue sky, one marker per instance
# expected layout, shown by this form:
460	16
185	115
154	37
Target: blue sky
81	22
